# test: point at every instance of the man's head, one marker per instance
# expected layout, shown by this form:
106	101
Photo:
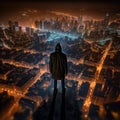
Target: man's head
58	47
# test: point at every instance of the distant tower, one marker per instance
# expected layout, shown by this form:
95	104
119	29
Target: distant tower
16	26
37	24
16	23
80	20
107	19
27	30
42	25
10	24
107	14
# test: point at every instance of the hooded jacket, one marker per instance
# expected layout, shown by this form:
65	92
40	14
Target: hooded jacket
58	64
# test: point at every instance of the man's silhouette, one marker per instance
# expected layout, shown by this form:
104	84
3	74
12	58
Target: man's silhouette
58	66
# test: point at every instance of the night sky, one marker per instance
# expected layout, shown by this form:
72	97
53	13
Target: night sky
6	7
10	10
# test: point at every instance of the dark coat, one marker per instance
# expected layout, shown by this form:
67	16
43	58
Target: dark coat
58	65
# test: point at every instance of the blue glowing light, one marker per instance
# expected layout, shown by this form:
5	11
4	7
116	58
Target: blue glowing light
55	35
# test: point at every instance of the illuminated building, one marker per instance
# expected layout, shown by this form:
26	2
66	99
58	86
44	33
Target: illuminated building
37	24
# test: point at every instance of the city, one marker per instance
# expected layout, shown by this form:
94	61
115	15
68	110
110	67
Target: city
92	85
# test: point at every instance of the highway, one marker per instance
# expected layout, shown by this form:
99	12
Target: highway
88	99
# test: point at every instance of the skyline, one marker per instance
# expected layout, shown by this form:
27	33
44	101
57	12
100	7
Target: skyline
31	11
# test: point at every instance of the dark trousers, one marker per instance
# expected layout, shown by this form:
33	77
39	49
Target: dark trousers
62	82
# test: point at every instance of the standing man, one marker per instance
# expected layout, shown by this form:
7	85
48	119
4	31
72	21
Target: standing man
58	67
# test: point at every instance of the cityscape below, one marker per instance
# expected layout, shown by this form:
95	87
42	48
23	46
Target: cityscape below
92	85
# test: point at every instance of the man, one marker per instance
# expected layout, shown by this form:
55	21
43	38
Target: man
58	66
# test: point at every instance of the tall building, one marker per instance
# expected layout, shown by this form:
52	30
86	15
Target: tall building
37	24
10	24
106	19
28	31
20	28
42	25
2	26
16	23
80	20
